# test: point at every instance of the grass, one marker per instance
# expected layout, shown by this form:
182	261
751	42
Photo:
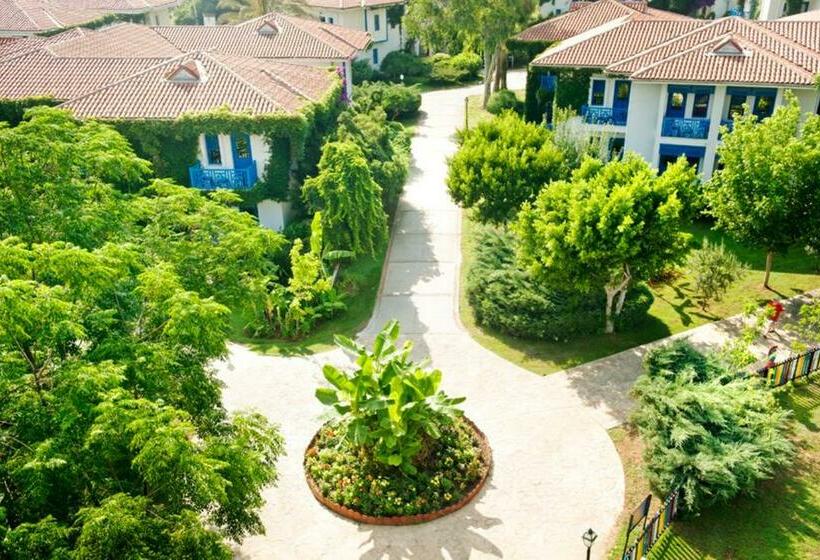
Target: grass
476	113
782	521
674	310
359	282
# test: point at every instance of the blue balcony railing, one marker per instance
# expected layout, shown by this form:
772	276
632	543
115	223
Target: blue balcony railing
603	115
685	128
240	178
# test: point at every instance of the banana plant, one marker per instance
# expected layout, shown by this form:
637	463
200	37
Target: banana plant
390	404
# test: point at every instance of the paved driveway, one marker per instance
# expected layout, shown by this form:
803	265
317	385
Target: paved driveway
556	470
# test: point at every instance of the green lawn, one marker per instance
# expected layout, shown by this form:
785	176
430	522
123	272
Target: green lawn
359	282
674	309
782	521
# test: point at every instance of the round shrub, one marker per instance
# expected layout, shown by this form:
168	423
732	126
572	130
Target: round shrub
397	100
399	63
504	100
363	72
454	69
504	297
350	476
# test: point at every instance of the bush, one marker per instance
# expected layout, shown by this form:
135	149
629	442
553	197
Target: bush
362	72
399	63
504	100
705	430
398	101
506	298
714	270
456	69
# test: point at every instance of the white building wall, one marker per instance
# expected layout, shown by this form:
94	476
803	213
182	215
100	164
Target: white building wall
643	120
274	214
224	149
550	8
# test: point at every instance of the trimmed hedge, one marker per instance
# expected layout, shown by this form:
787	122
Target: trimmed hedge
397	100
456	69
504	297
399	63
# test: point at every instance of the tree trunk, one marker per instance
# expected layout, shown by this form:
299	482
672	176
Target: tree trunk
489	66
499	62
502	67
610	322
769	261
620	305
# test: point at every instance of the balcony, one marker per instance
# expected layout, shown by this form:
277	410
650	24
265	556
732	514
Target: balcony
675	127
241	178
603	115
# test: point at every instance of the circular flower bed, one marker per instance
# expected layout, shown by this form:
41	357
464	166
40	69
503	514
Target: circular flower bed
450	471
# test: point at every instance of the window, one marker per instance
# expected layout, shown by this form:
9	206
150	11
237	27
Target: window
736	106
376	56
616	148
700	107
667	160
377	22
622	91
326	19
598	87
242	148
764	105
212	152
677	100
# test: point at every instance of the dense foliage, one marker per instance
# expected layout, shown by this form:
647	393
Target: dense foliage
363	72
385	145
505	297
714	270
398	64
353	218
390	405
504	100
500	164
396	100
608	227
350	475
115	442
463	67
766	193
706	430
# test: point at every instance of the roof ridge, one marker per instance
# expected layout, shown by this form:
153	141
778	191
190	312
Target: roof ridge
286	85
317	37
794	44
585	36
681	53
324	27
24	12
667	42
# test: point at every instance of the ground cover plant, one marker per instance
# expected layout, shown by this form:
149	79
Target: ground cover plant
399	445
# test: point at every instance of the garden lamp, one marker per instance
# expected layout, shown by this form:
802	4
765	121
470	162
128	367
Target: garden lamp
589	538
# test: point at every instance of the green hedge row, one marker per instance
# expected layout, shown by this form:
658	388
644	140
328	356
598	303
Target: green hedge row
504	297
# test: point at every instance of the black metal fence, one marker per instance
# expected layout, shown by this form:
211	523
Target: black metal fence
777	375
653	529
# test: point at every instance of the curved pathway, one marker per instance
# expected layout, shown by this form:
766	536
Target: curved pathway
556	471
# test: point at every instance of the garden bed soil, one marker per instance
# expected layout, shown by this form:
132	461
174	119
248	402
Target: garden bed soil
395	520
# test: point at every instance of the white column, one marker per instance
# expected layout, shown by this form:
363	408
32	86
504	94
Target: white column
715	113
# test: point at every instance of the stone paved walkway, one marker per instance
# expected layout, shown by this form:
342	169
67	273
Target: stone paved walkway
556	470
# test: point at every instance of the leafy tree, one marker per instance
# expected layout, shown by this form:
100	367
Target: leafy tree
714	269
706	430
56	178
235	11
483	23
808	325
393	405
501	164
610	226
398	101
766	193
353	218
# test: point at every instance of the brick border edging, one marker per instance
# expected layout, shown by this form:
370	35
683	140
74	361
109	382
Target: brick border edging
486	455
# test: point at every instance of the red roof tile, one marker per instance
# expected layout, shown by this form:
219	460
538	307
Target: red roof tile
585	16
298	38
124	40
348	4
34	16
14	46
241	84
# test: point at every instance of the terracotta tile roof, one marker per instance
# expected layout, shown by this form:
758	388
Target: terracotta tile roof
347	4
33	16
586	16
770	57
297	38
242	84
14	46
124	40
612	45
40	73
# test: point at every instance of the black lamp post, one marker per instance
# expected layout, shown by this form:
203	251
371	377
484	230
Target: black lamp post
589	538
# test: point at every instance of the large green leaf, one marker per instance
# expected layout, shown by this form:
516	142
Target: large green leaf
327	396
337	378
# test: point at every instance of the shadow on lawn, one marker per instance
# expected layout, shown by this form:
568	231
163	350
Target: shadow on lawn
453	536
